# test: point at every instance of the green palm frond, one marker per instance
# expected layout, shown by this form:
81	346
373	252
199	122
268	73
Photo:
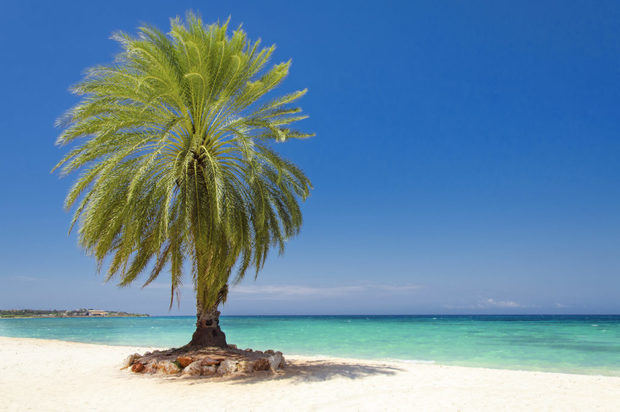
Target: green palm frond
174	151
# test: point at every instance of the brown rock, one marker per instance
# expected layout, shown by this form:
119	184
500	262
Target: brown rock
209	370
167	367
276	361
245	366
151	367
193	369
137	367
196	369
261	364
130	360
210	362
184	361
228	367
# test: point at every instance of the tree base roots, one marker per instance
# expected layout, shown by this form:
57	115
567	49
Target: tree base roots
205	361
208	336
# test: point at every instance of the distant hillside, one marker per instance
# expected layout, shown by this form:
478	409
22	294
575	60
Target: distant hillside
81	313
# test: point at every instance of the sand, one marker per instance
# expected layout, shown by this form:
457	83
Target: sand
46	375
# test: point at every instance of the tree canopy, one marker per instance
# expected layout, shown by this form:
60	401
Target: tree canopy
173	142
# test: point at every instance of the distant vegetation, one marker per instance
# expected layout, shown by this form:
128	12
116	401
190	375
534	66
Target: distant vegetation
30	313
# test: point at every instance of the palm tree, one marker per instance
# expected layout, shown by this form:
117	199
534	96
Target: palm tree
173	145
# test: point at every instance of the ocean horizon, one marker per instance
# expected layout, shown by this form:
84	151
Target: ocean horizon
583	344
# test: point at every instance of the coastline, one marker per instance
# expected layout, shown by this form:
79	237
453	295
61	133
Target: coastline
53	375
75	317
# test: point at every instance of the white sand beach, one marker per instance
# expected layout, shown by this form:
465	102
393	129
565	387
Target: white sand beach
47	375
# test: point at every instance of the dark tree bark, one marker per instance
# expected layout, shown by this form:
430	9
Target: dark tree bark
208	332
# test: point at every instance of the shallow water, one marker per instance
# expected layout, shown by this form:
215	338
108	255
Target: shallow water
576	344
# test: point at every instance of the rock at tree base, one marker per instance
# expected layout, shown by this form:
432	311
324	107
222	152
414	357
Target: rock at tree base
198	369
184	361
276	361
207	361
167	367
130	360
262	364
137	367
228	367
210	362
151	367
193	369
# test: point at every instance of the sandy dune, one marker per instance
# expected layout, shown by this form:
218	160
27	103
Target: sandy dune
45	375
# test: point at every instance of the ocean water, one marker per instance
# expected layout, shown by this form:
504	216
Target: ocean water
574	344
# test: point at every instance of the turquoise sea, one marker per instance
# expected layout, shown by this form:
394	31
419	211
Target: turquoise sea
575	344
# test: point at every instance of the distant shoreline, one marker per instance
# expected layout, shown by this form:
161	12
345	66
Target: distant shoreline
75	317
65	313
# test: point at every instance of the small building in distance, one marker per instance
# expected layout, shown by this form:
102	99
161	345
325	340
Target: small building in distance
96	312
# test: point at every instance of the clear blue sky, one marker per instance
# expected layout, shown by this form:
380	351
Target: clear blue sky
466	157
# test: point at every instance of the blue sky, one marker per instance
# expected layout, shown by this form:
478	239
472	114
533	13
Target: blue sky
466	157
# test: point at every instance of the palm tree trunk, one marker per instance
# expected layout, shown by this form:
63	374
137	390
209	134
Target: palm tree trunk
208	332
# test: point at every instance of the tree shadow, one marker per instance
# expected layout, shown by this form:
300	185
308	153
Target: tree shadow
303	371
